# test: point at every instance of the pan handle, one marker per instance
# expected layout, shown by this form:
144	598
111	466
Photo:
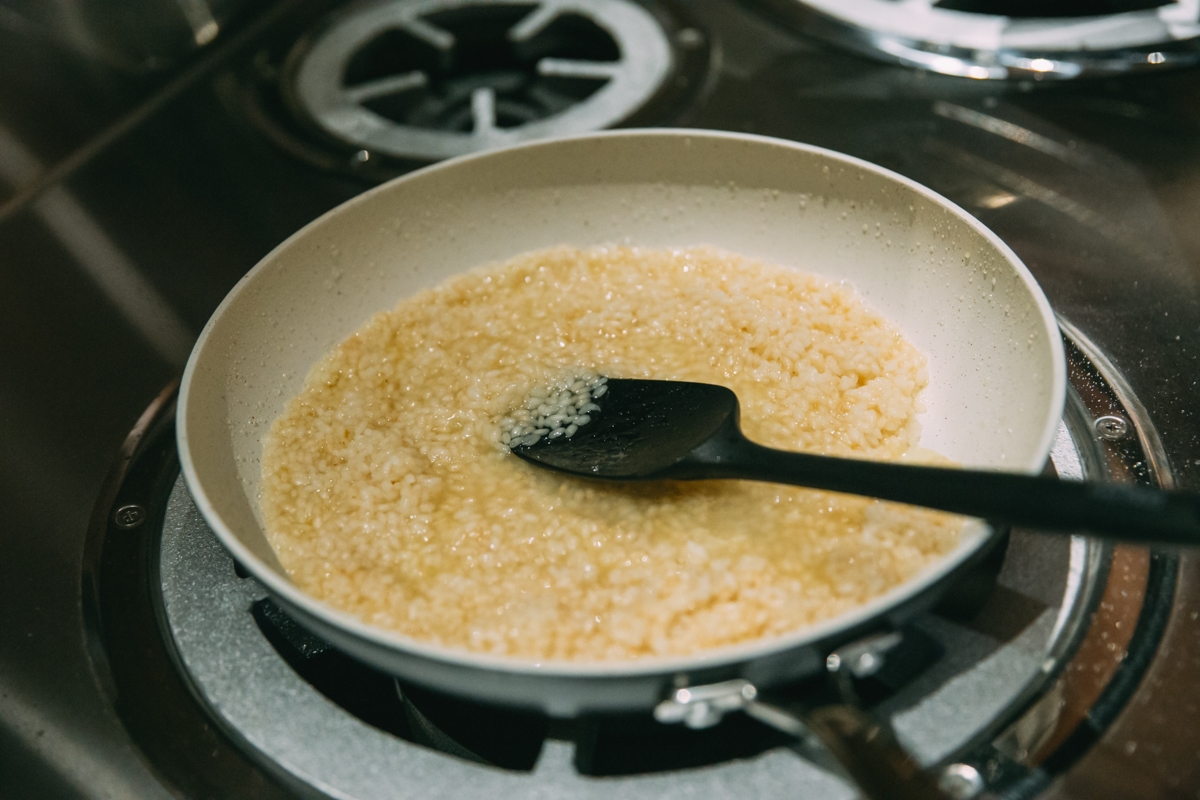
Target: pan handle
871	755
839	736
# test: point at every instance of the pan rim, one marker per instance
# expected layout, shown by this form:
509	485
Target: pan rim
975	535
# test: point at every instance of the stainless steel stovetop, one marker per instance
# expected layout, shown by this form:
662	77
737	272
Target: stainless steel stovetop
142	173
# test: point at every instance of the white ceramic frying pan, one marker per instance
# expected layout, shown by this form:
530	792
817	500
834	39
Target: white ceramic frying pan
997	375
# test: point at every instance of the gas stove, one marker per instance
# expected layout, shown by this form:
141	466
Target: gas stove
139	182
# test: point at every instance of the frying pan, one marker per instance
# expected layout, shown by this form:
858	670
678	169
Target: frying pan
997	375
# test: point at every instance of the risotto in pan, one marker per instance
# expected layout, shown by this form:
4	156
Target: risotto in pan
389	493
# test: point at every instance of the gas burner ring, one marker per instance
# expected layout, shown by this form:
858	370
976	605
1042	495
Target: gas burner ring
432	79
991	46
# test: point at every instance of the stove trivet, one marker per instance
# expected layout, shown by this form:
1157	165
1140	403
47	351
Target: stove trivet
1001	39
430	79
981	710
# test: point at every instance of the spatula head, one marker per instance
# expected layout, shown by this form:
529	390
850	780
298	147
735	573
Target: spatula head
642	430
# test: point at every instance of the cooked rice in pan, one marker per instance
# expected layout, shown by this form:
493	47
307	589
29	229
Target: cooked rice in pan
388	492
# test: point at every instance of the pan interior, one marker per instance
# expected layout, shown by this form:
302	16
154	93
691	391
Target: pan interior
995	360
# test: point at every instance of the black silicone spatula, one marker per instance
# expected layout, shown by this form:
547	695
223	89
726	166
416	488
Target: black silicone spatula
672	430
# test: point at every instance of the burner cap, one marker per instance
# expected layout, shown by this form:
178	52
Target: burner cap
430	79
1010	38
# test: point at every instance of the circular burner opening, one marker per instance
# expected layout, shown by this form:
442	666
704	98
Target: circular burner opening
1043	9
429	79
999	39
449	89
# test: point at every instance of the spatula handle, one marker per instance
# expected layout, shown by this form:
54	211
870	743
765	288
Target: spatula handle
1131	513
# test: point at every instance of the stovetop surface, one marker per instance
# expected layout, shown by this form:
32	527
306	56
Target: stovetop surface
132	198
